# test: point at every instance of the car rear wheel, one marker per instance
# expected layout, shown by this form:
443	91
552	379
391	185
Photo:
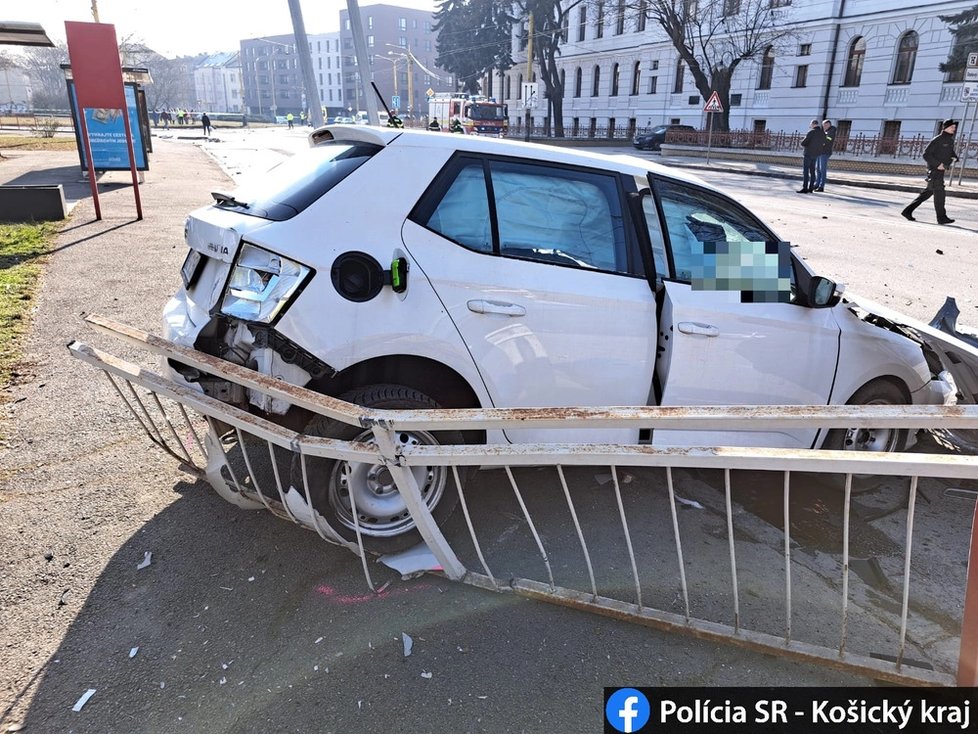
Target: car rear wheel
880	440
336	487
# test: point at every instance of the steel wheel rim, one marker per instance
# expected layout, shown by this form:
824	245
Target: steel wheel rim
381	512
880	440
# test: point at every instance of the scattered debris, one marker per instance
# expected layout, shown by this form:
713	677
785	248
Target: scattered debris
408	643
15	727
63	599
939	252
133	651
49	556
83	700
603	479
147	559
689	503
318	640
223	680
251	578
413	561
425	674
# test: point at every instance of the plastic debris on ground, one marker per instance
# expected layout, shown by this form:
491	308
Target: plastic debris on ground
133	651
83	700
425	674
147	559
688	503
603	479
412	562
408	643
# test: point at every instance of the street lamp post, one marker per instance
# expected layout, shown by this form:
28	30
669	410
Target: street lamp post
393	62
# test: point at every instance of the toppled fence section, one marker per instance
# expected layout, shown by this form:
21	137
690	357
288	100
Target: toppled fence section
774	550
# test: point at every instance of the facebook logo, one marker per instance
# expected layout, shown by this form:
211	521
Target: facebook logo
627	710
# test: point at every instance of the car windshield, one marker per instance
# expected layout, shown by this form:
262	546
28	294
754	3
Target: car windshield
288	188
487	112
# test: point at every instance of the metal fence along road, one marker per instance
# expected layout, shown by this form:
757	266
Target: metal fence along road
615	529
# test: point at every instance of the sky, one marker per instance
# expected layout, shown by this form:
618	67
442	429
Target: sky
188	27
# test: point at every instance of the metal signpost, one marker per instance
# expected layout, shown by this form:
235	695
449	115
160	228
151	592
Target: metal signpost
969	95
712	105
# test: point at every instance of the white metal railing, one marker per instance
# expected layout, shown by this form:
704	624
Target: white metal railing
623	549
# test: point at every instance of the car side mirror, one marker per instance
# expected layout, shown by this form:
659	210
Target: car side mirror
822	292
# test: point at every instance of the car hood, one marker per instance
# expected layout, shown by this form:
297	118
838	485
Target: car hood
957	352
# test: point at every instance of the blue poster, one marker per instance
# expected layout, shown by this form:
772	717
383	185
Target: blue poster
107	133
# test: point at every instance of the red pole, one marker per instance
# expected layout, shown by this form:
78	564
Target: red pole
132	162
88	158
968	656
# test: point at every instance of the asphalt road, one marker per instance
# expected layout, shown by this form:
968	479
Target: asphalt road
244	623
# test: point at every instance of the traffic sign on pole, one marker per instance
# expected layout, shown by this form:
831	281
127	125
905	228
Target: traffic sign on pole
713	105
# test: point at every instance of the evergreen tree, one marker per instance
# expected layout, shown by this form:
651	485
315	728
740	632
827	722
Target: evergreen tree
964	29
473	39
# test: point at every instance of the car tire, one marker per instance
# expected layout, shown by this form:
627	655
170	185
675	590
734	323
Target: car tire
888	440
386	525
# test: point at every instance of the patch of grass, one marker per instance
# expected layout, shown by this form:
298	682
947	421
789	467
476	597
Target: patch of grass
31	142
22	248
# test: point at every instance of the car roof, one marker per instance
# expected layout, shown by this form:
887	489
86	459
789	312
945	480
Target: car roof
384	136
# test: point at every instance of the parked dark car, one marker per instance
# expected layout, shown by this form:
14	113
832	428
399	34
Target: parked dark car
652	139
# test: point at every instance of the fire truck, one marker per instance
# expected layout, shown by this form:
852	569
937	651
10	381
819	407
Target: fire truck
478	115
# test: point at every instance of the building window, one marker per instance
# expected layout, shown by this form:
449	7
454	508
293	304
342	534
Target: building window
582	24
805	49
615	78
779	3
905	59
597	81
677	84
854	65
620	18
636	78
736	99
578	78
402	24
653	84
370	42
640	16
730	7
519	87
767	69
801	75
370	22
599	24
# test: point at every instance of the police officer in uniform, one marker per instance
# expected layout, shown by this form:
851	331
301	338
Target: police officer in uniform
939	154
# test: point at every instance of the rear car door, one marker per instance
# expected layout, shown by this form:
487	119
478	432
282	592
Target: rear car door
538	267
732	330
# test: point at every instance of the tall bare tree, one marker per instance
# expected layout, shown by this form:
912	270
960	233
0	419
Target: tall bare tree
715	37
43	66
551	19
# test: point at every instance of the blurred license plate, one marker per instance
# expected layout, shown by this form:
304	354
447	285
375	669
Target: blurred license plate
191	266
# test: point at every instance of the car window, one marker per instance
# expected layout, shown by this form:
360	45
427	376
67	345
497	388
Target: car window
531	211
659	257
289	187
556	215
717	245
462	214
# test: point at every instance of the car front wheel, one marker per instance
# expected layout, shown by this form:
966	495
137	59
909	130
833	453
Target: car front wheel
878	392
337	487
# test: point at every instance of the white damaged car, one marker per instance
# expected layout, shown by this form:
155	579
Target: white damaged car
399	268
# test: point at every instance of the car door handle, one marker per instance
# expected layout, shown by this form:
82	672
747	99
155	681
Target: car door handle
507	309
692	327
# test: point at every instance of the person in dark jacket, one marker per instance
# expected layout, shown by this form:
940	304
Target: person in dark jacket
939	155
205	122
813	143
822	162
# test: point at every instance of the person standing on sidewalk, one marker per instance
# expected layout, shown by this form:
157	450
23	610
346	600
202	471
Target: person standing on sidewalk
822	162
939	155
205	122
813	143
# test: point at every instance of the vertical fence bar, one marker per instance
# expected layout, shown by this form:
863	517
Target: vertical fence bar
968	655
468	522
679	543
251	472
169	424
226	462
911	502
193	431
317	525
580	533
132	410
733	554
628	537
787	556
278	485
533	530
845	565
149	419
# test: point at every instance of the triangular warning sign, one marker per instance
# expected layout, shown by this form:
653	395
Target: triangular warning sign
713	105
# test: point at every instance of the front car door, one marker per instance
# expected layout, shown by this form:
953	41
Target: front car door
539	269
732	329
